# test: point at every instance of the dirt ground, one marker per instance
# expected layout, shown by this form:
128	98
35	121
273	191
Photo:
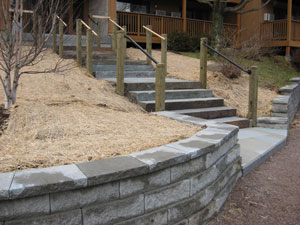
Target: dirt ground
69	118
270	195
235	92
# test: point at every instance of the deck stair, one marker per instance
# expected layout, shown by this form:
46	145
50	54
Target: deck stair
184	97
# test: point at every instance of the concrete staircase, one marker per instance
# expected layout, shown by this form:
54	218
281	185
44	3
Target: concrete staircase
184	97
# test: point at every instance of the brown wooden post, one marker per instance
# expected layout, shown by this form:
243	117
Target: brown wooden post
114	38
99	34
125	41
71	18
139	25
164	52
89	51
61	38
54	36
160	86
253	95
184	14
78	41
120	62
40	31
289	27
239	30
149	44
203	63
35	29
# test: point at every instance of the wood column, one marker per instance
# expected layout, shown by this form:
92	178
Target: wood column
112	13
239	30
71	18
289	27
184	14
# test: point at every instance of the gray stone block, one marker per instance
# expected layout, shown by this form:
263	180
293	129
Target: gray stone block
67	218
212	157
161	157
144	183
273	114
188	169
76	199
234	154
204	179
107	170
295	80
26	207
5	182
204	214
156	218
193	146
170	194
114	212
273	120
183	222
186	208
46	180
273	126
281	99
280	108
232	170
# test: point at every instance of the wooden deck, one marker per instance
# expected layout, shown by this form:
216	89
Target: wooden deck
166	25
274	34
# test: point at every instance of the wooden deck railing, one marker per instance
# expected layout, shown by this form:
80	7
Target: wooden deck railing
274	30
166	24
295	30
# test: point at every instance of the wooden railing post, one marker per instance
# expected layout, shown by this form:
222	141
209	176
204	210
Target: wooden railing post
114	38
89	51
99	35
54	36
160	86
61	38
125	41
35	29
40	30
203	63
164	51
120	62
78	42
149	44
253	95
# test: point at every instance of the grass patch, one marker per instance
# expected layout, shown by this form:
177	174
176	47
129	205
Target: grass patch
274	71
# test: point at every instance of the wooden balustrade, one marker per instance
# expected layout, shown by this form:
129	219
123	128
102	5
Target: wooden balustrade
274	30
295	30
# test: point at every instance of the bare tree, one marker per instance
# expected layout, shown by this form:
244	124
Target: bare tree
16	55
219	8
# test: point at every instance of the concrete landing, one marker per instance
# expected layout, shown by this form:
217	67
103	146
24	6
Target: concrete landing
257	145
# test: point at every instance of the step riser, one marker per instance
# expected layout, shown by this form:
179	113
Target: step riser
113	62
169	86
185	105
213	114
240	124
126	68
127	74
172	95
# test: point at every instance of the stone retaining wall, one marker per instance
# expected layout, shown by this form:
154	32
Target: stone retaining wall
284	107
185	182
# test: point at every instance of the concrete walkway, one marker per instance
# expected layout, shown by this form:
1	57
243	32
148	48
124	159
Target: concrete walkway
257	145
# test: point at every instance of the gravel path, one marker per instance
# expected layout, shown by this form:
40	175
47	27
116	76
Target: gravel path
271	194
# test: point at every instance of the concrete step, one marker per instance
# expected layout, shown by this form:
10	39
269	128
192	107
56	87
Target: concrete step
129	74
126	68
114	62
176	104
171	94
209	113
96	55
237	121
103	48
144	84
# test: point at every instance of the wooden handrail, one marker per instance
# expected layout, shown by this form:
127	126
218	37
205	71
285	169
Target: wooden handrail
89	28
24	11
60	19
156	34
117	25
100	17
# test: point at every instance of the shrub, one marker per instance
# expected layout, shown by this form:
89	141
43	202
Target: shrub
183	42
295	57
230	71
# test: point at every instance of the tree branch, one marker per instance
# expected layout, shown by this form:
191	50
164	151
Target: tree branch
238	7
206	2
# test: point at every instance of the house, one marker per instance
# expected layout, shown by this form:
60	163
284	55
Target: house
275	25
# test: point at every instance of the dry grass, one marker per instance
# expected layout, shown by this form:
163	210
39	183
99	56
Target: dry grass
70	118
235	92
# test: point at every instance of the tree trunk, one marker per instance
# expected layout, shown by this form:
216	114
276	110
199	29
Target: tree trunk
217	29
7	92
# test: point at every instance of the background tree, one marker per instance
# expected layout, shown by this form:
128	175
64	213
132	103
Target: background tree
219	8
16	54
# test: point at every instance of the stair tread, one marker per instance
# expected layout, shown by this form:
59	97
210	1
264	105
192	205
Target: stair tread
209	109
174	91
148	80
229	119
184	100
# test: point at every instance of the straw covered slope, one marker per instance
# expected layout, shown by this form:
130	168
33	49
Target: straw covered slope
235	92
70	117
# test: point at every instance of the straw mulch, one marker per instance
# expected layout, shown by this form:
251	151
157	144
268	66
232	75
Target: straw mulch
70	118
235	92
